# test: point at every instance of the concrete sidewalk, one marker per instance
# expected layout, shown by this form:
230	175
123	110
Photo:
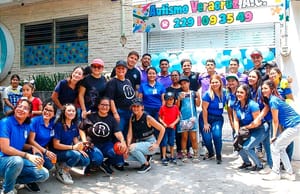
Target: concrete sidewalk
204	177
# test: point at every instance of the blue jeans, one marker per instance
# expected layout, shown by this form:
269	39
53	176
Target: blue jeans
140	149
96	156
257	135
72	158
266	143
106	150
15	169
169	137
124	120
214	134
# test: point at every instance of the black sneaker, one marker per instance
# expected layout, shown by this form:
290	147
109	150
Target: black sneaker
245	165
149	158
208	156
32	187
219	159
119	167
106	169
254	168
144	168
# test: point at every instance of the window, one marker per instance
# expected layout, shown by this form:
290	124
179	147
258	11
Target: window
56	42
227	37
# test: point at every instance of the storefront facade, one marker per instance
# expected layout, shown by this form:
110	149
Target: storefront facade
174	29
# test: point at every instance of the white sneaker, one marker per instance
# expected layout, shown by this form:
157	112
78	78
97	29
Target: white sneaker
10	192
272	176
235	154
64	177
290	177
266	170
202	151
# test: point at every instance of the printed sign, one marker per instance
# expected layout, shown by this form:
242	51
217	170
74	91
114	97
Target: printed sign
169	15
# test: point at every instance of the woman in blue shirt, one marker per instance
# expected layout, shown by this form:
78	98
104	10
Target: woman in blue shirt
255	81
42	132
285	92
211	119
66	91
245	112
16	165
152	93
66	145
286	116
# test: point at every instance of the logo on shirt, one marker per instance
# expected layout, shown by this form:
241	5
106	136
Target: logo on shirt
25	134
128	91
101	129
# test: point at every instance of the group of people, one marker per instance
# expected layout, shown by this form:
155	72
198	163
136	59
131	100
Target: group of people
145	110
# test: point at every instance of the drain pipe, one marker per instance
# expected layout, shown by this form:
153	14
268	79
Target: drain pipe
285	49
123	39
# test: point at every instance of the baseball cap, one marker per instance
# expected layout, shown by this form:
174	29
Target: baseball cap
232	75
121	63
137	101
169	95
98	62
271	64
184	78
256	53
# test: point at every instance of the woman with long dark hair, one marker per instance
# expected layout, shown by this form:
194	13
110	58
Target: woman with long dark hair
68	148
286	116
245	112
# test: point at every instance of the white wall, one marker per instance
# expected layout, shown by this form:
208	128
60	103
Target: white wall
291	64
104	18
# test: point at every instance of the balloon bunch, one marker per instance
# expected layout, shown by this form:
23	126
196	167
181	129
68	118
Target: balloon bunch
222	58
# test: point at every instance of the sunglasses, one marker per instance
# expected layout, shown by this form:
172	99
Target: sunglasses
97	66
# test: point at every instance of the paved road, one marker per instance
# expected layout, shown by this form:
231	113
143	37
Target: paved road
204	177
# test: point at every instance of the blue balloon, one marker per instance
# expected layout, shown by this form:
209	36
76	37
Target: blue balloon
176	67
225	60
248	64
203	61
241	68
163	55
154	60
236	53
270	56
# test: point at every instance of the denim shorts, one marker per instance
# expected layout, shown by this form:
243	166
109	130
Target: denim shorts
169	137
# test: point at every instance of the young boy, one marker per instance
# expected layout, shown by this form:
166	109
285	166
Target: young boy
169	116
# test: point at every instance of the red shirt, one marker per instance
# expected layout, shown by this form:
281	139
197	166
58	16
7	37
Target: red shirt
169	114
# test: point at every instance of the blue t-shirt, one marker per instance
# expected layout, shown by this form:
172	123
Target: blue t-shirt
244	114
43	134
231	99
65	93
216	105
152	95
67	135
16	133
187	105
287	116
